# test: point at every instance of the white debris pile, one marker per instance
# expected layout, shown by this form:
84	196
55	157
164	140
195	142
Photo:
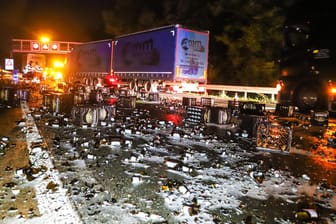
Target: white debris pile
141	170
53	204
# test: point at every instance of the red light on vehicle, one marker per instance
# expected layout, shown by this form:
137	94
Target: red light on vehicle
284	73
332	87
333	90
174	118
112	80
111	101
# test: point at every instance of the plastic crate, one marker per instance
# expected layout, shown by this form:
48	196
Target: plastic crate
195	115
274	136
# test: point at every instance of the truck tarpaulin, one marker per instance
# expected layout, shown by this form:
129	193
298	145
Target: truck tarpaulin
176	52
145	52
91	57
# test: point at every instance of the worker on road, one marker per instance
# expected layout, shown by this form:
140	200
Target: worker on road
28	70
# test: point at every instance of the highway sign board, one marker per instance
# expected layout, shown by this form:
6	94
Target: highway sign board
9	64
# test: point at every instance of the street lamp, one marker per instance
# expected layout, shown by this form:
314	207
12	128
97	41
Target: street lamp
44	39
45	42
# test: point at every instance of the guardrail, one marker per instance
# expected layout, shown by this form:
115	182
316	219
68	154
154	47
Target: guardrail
224	89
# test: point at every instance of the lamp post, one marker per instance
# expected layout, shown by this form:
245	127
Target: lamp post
45	39
45	42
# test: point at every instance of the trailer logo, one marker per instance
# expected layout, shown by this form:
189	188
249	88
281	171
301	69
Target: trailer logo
141	53
195	45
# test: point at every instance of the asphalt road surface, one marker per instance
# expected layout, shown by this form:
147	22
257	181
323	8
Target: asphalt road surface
145	165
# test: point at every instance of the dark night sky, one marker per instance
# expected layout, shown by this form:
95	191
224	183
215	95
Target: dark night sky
62	20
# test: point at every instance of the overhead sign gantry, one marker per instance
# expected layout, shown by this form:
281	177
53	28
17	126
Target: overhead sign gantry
40	46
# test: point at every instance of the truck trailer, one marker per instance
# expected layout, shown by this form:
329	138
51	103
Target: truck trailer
173	56
90	64
166	56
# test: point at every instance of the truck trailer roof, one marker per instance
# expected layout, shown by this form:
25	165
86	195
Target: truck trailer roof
163	27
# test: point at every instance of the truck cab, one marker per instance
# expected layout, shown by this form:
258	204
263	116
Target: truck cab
308	61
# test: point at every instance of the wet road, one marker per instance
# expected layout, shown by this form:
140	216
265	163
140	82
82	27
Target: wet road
14	199
147	164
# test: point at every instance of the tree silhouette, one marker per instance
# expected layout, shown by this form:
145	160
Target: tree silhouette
253	39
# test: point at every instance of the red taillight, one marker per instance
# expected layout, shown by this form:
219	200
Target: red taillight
284	72
332	87
112	101
333	90
174	118
112	80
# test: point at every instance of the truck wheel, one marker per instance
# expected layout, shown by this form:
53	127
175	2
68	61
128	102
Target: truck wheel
147	86
309	97
86	82
95	82
133	85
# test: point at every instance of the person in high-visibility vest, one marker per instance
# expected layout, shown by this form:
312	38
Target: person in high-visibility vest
28	70
38	71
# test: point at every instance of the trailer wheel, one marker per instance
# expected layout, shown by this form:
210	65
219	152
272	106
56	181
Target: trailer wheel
87	82
310	96
133	85
77	84
91	82
95	82
147	86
